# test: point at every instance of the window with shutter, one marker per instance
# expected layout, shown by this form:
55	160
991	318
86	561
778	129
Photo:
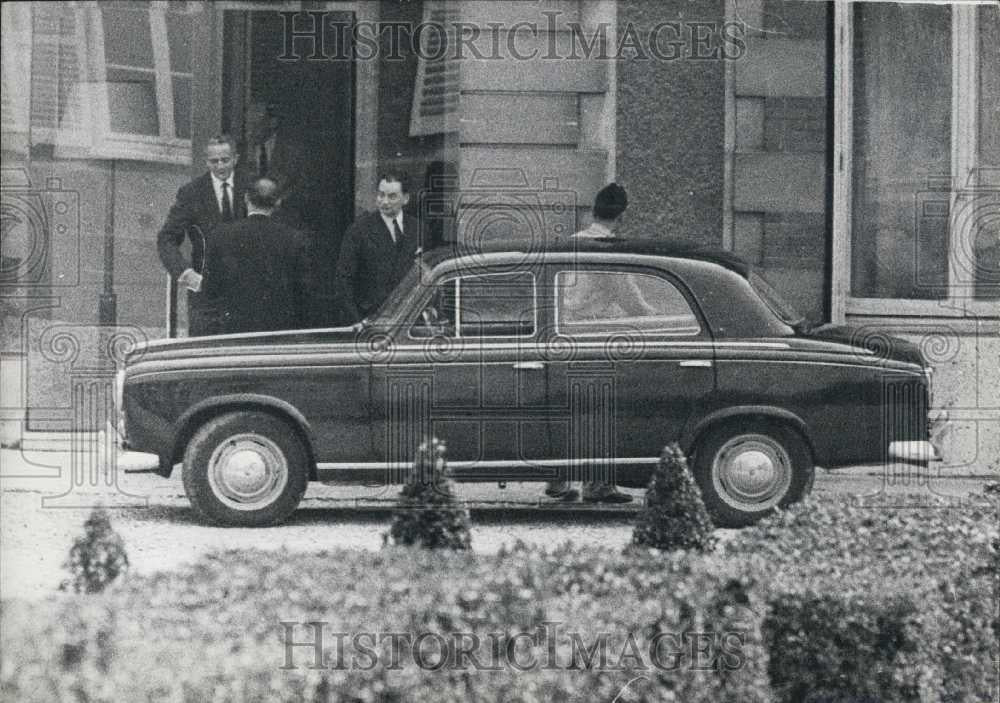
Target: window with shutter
99	80
436	95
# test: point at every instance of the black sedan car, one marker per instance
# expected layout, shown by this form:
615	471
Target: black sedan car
577	361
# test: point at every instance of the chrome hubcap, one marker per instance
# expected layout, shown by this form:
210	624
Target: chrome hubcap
247	472
752	472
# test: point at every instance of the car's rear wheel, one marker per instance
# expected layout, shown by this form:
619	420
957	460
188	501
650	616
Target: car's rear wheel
245	469
747	469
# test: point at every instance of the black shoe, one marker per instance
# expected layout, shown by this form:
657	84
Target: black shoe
615	497
569	495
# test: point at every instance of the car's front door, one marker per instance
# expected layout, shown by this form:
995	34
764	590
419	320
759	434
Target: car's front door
630	359
467	369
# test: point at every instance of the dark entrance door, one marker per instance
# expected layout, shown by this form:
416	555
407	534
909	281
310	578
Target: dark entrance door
294	119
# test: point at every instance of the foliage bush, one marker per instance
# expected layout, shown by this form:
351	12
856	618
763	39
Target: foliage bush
836	646
674	516
97	557
824	602
214	631
876	602
427	514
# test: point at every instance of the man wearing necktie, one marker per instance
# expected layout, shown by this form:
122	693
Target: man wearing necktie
214	197
377	251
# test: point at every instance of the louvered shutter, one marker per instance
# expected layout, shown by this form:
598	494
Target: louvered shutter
436	94
15	71
60	94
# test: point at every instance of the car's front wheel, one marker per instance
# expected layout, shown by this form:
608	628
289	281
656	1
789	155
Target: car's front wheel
245	469
747	469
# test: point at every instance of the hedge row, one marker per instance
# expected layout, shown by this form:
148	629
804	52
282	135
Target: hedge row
568	625
872	602
825	602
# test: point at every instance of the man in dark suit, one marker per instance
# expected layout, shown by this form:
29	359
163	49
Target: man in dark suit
256	276
212	198
378	250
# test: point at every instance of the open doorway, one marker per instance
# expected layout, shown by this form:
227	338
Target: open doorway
293	119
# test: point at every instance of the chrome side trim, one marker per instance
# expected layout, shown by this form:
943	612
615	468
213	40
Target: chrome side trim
503	464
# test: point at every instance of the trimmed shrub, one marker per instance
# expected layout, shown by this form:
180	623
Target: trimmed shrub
97	557
427	514
674	516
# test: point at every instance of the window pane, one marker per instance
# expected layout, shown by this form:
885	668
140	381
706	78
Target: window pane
986	239
501	305
127	40
606	303
132	102
182	107
902	150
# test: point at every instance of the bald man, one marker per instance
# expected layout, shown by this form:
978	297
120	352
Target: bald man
256	268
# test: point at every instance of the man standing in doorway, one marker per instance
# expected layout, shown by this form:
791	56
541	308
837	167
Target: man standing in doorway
377	252
609	206
210	199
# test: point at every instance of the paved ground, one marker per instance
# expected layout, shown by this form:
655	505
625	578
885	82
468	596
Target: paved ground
42	509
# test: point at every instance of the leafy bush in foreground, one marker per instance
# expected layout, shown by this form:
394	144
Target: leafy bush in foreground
874	602
674	516
820	603
427	514
97	557
217	631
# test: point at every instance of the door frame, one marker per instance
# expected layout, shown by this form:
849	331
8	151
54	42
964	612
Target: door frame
365	123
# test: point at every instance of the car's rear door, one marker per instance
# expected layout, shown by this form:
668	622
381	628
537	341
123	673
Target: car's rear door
632	360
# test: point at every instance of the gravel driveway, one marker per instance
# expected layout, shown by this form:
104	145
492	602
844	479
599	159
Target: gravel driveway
35	539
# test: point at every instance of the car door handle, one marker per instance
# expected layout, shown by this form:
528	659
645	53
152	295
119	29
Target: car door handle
529	365
698	363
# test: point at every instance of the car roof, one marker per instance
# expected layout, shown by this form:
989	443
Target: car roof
613	245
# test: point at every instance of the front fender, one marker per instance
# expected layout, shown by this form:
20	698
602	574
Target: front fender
193	417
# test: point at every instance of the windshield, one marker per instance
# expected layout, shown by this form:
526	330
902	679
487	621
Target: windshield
779	306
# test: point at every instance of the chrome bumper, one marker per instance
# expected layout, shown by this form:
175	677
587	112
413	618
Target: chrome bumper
918	450
924	450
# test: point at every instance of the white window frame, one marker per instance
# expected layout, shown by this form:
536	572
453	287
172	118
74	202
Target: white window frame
964	145
164	148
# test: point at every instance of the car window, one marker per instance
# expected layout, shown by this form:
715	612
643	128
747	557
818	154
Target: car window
489	305
612	302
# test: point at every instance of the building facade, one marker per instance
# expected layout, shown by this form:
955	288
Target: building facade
849	150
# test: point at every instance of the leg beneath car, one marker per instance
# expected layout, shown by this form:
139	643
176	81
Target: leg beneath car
561	490
604	492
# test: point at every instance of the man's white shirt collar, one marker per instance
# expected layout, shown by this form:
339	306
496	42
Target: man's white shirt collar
388	223
217	187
